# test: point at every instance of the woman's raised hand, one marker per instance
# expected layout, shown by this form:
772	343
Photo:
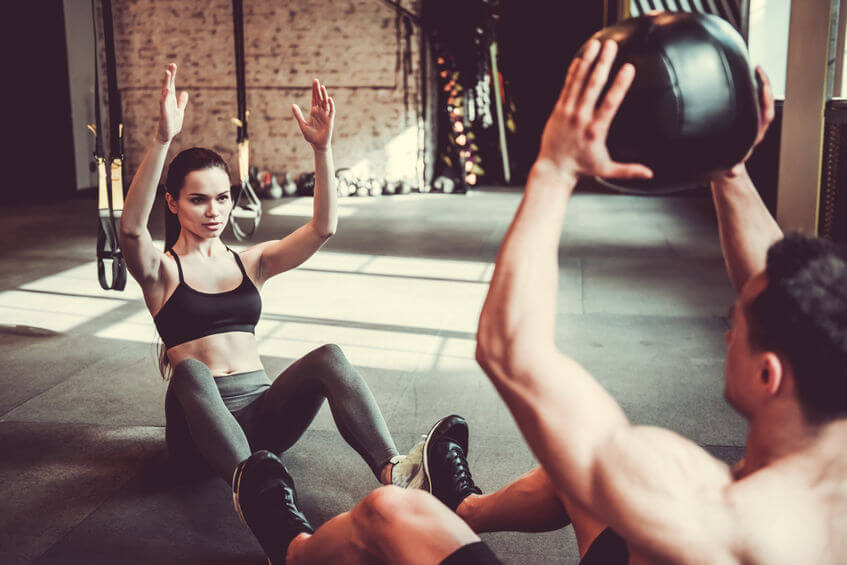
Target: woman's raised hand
171	110
317	130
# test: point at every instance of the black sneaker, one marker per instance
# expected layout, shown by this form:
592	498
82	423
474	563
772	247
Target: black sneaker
263	495
445	465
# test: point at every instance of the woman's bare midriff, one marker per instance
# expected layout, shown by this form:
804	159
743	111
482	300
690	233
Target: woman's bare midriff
224	354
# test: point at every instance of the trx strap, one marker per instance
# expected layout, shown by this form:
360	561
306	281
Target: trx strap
110	201
247	208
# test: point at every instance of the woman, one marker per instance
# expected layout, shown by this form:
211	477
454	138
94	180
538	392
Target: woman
204	299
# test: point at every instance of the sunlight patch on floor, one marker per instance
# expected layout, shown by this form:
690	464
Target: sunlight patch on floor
385	312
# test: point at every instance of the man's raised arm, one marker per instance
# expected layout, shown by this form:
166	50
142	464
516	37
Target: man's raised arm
747	228
645	483
564	414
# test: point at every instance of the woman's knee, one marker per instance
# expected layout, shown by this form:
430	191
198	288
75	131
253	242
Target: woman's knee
332	364
329	353
191	374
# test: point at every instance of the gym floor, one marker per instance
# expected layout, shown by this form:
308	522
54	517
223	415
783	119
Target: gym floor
84	474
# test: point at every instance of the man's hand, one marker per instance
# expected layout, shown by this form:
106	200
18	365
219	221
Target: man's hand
766	114
574	139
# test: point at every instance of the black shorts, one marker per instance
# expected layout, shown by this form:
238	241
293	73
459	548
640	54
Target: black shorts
476	553
608	549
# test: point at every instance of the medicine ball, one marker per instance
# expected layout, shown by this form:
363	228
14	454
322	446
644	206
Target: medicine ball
693	108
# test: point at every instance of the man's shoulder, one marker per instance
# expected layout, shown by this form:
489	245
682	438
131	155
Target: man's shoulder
689	462
783	517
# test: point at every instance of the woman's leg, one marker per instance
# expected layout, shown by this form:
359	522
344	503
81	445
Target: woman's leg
291	403
196	418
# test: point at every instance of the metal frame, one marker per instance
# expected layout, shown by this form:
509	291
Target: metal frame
736	12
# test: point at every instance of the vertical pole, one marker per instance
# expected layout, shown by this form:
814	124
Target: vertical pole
501	127
841	32
615	11
801	151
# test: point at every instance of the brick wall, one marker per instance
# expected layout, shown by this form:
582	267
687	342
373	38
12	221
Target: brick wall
355	47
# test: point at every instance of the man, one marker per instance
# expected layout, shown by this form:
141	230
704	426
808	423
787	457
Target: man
638	494
785	372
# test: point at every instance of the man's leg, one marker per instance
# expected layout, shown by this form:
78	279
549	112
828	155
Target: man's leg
529	504
390	525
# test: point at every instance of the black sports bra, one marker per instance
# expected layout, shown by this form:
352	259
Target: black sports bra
190	314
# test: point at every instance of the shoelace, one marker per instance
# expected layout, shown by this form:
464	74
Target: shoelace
294	512
461	472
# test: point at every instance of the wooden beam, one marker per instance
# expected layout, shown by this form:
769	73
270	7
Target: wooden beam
801	150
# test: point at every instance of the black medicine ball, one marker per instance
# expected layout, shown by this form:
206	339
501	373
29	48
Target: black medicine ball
693	108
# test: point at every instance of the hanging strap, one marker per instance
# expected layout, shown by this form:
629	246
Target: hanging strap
115	112
240	85
247	212
109	175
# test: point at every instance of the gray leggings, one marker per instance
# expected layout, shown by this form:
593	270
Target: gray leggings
222	420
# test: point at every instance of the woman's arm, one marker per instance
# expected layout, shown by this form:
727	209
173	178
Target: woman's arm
142	258
318	132
325	207
279	256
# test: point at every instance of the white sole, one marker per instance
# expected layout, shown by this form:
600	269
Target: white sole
426	454
236	488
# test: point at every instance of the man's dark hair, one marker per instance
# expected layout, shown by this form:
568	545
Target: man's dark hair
802	315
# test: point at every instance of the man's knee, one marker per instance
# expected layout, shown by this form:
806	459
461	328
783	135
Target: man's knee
380	508
392	522
390	506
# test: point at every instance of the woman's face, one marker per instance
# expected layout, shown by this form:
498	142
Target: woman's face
204	202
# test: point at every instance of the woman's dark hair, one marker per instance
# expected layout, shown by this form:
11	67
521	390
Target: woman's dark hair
802	315
187	161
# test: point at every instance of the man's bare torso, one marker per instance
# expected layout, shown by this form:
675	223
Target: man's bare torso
791	511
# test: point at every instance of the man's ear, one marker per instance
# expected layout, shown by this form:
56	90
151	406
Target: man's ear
771	373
